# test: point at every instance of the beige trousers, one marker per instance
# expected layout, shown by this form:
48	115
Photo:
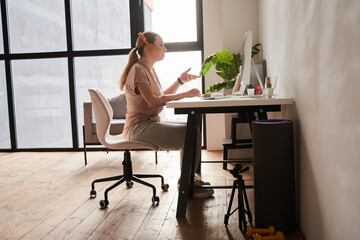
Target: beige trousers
165	135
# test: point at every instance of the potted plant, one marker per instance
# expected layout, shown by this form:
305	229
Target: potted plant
227	65
250	90
270	85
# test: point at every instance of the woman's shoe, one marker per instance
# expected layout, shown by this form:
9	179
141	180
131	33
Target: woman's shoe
202	192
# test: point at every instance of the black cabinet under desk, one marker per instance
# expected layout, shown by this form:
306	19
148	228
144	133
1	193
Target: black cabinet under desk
274	174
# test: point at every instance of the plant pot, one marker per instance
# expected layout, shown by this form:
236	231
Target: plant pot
228	91
251	92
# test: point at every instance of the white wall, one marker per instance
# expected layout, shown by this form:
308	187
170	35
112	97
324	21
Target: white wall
213	42
313	47
225	23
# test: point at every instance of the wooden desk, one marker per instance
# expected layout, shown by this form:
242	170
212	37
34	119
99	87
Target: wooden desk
194	108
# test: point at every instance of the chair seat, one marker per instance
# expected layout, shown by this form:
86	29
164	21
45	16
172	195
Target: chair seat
118	142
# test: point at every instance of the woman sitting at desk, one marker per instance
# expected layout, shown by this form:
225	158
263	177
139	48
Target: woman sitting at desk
146	99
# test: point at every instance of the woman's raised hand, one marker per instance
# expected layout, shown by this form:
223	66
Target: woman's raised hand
186	77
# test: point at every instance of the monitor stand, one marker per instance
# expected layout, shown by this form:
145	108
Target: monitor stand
257	75
242	87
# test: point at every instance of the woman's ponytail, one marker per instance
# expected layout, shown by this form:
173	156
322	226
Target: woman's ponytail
133	58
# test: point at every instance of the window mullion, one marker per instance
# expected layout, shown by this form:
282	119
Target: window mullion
136	19
70	57
10	95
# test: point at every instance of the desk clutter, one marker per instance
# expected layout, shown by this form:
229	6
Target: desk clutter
264	233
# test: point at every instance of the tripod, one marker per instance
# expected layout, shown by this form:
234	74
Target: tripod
242	197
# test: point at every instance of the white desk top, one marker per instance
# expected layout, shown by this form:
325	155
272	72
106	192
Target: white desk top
228	101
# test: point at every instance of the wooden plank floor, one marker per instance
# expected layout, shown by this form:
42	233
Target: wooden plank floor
46	196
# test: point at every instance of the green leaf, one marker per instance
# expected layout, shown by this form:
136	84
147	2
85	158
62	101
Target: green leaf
227	66
216	87
237	61
205	68
230	84
255	49
224	56
214	59
207	64
250	86
226	71
222	66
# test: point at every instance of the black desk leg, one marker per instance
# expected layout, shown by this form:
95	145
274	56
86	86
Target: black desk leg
187	163
262	114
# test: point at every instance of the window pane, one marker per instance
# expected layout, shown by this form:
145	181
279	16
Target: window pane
42	106
175	21
4	120
102	73
170	69
101	24
37	25
1	39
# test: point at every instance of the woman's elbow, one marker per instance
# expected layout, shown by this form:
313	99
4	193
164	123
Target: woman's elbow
151	105
154	104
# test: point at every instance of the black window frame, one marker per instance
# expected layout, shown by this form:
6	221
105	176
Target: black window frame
137	25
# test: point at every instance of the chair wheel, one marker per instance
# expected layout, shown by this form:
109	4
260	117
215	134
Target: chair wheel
104	203
165	187
92	194
155	200
129	184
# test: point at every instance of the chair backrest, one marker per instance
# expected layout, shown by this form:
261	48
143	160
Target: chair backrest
103	114
118	105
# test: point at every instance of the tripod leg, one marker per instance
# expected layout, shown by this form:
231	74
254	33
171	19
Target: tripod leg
227	215
248	212
242	219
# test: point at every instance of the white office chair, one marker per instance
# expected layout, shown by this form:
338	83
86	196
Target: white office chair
103	115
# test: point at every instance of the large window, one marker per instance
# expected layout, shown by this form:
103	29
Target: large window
101	24
41	93
96	72
4	120
52	52
167	18
1	40
36	25
170	69
175	21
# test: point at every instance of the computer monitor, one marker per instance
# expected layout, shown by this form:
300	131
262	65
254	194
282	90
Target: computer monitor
243	78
